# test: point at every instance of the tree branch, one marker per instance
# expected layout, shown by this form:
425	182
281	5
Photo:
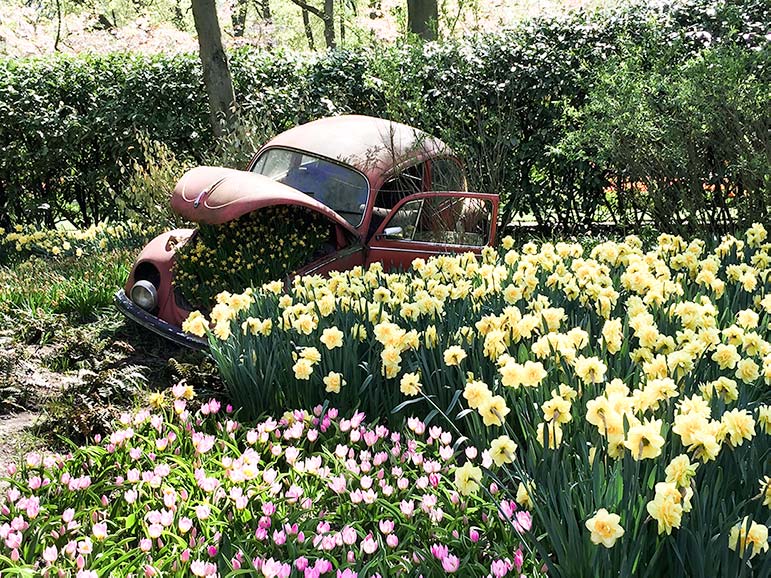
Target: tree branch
310	8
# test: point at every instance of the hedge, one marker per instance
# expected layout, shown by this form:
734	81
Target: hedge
530	109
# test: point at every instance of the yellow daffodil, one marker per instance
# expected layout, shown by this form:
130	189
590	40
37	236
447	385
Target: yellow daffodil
746	534
453	355
502	450
666	507
333	382
332	337
410	384
467	479
644	440
476	393
493	410
605	528
680	471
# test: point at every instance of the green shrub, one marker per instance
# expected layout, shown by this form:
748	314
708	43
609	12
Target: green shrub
145	196
68	125
685	143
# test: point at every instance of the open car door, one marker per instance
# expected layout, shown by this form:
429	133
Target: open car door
434	223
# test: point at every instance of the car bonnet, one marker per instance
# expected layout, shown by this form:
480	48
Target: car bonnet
216	195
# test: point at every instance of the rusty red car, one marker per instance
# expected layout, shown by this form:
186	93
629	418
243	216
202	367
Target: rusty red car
391	193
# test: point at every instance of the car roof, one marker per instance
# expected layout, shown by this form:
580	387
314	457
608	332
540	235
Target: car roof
374	146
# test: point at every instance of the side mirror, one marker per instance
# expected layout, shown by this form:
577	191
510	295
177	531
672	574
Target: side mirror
393	232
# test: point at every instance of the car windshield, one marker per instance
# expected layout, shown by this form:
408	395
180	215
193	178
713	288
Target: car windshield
340	188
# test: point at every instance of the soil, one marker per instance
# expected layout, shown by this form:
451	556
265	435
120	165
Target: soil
23	372
13	439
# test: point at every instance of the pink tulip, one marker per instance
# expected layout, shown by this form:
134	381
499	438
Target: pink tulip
439	551
50	554
386	526
99	531
519	559
450	563
499	568
369	545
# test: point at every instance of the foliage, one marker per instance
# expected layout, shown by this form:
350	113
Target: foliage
504	101
88	407
46	272
602	366
683	141
68	125
261	246
145	197
182	492
236	148
12	397
72	286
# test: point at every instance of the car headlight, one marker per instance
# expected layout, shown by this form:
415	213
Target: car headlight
144	294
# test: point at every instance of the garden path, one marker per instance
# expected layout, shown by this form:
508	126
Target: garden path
25	386
13	440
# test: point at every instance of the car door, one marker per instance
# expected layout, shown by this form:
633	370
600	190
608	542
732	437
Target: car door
434	223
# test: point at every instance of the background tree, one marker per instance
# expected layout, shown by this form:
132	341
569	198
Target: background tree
423	18
240	10
216	74
327	16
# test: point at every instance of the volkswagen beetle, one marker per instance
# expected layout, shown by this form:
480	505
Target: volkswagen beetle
390	193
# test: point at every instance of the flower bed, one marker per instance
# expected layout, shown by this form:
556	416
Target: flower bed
177	493
23	242
259	247
626	388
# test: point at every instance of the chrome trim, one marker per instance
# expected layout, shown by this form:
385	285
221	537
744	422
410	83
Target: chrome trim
447	249
158	326
145	284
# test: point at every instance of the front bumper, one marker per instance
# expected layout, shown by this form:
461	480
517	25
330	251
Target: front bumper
159	326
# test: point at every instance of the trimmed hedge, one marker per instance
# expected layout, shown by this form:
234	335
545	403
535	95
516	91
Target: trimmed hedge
524	108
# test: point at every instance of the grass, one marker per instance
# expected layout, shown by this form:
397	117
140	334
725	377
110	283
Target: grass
80	288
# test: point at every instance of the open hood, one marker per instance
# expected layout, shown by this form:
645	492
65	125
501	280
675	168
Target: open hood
216	195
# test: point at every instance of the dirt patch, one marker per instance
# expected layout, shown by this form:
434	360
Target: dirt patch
26	383
15	439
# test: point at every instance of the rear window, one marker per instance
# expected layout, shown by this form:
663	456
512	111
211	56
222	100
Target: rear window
340	188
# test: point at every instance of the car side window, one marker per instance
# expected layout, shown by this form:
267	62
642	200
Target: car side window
402	224
405	183
446	175
444	220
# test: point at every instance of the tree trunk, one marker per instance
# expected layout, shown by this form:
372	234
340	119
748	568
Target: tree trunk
238	17
423	18
263	7
308	29
263	10
329	23
216	74
341	17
